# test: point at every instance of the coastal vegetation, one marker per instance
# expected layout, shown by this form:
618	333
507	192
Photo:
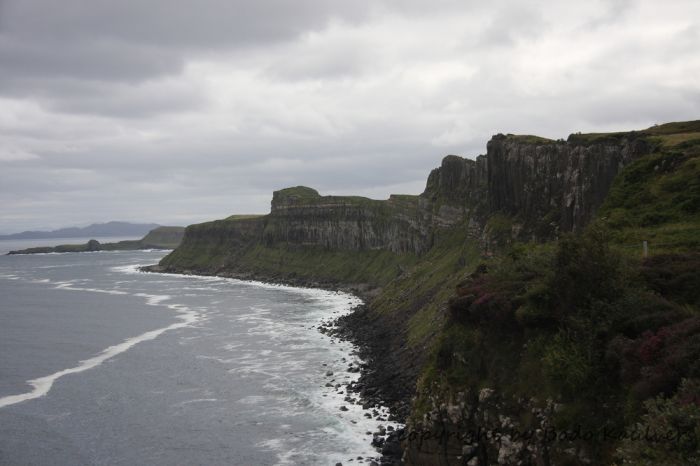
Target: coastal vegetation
548	286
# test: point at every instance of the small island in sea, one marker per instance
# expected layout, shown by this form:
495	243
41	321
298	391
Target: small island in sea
161	237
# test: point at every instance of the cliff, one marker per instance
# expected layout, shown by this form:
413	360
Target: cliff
347	223
540	187
545	187
474	312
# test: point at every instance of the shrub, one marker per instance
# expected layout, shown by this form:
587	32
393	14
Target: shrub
566	363
655	362
587	270
668	433
674	276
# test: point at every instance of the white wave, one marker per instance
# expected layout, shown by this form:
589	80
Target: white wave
321	294
350	425
153	299
42	386
198	400
67	286
252	400
131	268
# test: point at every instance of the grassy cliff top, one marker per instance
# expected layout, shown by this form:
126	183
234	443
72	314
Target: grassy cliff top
304	196
529	139
675	128
167	237
167	229
667	134
299	192
243	216
657	197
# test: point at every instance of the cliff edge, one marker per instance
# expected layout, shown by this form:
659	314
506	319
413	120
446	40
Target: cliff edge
511	296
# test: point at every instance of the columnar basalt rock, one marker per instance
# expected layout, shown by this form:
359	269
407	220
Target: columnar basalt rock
302	217
554	186
540	187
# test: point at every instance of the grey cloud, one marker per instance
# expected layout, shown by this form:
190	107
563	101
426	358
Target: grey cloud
90	59
129	101
336	63
178	23
611	12
169	112
108	99
511	24
133	41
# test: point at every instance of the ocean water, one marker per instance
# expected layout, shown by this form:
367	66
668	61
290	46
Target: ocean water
102	364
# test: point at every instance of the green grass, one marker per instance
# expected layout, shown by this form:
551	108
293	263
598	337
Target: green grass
236	246
163	237
424	289
316	263
529	139
661	239
300	192
675	128
657	199
243	216
587	139
303	196
673	140
670	134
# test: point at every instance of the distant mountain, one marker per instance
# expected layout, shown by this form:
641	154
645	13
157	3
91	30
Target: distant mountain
95	230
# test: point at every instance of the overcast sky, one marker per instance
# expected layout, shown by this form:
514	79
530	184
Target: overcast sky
177	111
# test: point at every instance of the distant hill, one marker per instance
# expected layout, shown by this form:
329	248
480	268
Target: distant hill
96	230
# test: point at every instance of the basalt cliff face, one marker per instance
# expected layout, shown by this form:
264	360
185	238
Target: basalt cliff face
541	187
303	217
545	187
465	341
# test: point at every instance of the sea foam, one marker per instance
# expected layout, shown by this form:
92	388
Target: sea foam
42	385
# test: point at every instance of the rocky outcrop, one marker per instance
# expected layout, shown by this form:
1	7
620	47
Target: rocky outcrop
458	182
484	427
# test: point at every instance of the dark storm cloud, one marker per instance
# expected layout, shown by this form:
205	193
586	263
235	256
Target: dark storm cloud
175	111
44	45
89	59
179	23
132	39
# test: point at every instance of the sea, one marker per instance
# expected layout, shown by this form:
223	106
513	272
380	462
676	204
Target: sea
102	364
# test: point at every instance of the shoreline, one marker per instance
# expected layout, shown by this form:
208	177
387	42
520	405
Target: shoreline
364	291
377	386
